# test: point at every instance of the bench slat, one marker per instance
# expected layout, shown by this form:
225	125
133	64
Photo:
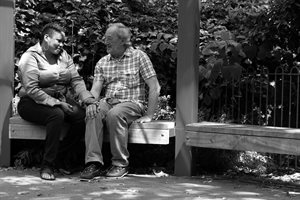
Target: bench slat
240	129
243	142
155	132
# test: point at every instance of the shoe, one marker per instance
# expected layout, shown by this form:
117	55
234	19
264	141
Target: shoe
92	170
116	171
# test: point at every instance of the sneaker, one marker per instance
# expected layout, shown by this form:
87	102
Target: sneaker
91	170
116	171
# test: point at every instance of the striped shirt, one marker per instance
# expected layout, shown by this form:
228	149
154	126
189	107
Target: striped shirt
123	78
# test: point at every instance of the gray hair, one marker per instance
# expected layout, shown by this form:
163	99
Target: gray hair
122	31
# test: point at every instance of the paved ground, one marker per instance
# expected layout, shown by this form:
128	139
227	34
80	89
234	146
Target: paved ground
26	185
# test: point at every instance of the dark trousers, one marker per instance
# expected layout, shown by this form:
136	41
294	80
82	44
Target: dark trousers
53	118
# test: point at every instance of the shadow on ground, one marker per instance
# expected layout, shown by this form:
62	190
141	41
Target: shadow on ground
25	184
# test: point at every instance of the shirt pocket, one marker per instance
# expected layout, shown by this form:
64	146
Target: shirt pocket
131	78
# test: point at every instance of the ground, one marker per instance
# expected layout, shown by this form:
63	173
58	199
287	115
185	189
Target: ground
26	185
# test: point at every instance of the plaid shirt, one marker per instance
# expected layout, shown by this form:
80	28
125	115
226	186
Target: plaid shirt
124	78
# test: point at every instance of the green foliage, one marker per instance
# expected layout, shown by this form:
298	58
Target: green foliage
153	25
238	37
164	110
85	21
239	41
253	162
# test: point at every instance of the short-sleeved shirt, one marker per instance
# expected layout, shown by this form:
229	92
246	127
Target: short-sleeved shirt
124	78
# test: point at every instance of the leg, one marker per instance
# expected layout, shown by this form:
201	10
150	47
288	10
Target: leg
94	135
52	118
118	121
69	147
93	143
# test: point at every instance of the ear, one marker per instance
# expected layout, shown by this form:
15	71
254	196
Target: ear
46	37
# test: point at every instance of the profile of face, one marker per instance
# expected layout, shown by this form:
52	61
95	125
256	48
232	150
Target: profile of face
55	42
114	44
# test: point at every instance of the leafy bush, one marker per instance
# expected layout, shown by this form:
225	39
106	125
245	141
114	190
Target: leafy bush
153	25
235	37
238	37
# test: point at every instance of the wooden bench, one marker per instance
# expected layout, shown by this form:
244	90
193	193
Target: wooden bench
269	139
155	132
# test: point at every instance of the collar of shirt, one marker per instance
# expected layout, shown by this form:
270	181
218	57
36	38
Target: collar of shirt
38	49
127	53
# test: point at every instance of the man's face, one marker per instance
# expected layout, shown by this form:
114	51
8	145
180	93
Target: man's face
55	42
114	45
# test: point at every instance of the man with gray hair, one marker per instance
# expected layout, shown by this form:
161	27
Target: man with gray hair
123	73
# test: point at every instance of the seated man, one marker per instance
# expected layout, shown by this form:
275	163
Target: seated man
123	73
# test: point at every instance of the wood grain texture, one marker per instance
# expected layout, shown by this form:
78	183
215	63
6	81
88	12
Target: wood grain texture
240	129
243	142
155	132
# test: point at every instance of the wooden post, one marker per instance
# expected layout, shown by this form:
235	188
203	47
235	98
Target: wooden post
187	80
6	75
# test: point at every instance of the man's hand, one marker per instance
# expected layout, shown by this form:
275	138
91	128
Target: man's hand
89	101
143	119
91	111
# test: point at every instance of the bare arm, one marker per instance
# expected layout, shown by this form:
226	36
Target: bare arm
96	88
91	110
154	91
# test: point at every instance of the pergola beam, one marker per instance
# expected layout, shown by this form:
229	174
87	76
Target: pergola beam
187	80
6	75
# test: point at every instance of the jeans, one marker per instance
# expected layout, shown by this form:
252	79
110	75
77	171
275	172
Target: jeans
116	118
53	118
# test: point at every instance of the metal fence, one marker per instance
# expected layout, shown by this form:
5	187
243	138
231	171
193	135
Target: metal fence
262	97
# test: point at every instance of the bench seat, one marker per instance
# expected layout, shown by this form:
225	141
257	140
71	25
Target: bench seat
155	132
269	139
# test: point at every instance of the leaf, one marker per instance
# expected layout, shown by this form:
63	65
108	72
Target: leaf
226	35
207	52
167	36
163	46
154	46
216	70
215	93
174	54
203	73
82	58
159	35
250	51
265	50
207	100
232	72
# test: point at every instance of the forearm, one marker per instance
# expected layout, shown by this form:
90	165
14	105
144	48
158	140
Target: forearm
153	101
96	94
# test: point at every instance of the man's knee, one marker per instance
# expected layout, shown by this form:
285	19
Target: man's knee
113	115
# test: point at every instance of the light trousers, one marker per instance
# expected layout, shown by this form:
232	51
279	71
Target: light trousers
115	119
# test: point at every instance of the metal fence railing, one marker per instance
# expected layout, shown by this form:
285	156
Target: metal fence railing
265	98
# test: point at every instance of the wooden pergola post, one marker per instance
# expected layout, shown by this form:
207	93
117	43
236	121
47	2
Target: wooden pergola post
187	80
6	75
